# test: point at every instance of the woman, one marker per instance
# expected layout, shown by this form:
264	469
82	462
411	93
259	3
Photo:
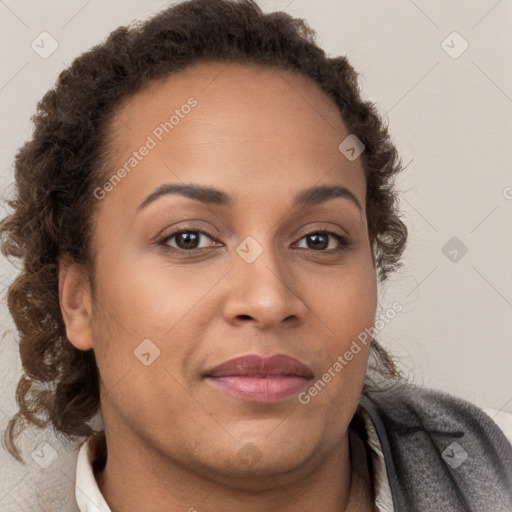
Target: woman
203	213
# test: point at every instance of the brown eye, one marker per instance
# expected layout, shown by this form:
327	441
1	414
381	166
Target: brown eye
319	241
186	240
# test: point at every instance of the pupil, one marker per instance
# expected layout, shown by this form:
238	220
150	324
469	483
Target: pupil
189	239
317	237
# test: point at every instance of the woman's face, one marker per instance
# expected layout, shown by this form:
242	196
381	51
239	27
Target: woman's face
257	274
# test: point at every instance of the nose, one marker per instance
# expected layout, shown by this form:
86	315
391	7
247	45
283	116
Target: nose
263	292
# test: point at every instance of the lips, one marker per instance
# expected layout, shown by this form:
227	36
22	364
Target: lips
260	379
257	366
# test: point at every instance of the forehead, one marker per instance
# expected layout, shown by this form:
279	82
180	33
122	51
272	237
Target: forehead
248	125
225	83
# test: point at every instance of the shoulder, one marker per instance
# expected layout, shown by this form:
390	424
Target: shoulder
437	445
409	406
502	419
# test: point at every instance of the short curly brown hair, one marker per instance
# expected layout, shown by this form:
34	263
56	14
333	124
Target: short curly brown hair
57	170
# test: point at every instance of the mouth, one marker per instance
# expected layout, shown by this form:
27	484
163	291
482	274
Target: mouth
260	379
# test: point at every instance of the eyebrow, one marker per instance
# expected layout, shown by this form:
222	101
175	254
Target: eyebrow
209	195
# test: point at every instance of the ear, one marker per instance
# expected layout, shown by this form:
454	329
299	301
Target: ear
75	302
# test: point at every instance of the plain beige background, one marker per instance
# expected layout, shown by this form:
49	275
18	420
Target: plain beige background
450	112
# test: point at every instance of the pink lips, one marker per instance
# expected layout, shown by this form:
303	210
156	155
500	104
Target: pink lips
260	379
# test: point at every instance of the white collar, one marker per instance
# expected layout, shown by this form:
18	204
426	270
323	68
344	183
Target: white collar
383	497
87	493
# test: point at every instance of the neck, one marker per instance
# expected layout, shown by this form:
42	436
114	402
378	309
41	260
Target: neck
327	481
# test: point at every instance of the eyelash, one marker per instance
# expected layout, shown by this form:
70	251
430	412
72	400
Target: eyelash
343	241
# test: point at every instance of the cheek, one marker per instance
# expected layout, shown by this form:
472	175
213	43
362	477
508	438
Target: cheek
347	304
345	309
148	297
138	300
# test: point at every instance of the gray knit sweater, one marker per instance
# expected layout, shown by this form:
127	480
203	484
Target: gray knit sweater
441	452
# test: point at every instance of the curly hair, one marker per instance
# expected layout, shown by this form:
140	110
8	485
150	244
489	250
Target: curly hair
57	170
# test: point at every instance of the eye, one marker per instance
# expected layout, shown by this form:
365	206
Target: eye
319	241
185	240
188	240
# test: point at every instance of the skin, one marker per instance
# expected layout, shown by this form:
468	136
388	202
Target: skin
175	441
